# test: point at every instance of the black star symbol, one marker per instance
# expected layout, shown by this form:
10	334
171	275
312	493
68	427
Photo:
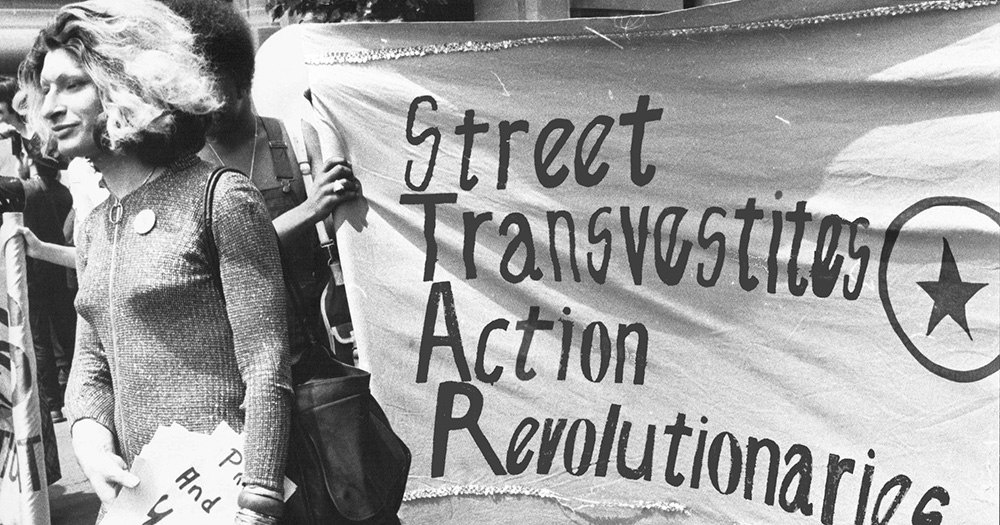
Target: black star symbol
950	293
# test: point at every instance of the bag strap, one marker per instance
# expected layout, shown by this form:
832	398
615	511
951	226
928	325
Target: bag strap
279	149
211	250
212	253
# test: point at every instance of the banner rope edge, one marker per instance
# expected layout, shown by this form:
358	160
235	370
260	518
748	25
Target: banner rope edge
363	57
487	491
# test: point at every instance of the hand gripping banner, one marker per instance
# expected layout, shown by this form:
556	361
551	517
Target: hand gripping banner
733	264
24	496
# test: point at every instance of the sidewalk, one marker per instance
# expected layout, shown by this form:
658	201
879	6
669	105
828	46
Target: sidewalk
71	500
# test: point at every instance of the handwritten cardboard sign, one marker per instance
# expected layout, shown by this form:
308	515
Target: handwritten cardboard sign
186	477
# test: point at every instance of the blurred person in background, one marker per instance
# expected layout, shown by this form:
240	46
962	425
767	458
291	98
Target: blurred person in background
258	146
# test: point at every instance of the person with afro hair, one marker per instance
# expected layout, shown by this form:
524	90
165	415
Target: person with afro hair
240	138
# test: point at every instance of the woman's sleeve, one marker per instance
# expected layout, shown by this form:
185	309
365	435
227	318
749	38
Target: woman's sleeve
254	288
89	394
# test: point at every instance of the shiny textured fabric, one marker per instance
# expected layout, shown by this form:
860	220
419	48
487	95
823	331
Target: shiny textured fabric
158	344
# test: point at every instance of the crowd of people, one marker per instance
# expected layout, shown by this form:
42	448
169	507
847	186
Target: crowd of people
172	323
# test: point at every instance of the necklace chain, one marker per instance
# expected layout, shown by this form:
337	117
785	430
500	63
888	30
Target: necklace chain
116	211
253	152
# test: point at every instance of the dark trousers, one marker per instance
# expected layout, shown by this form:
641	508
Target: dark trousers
53	330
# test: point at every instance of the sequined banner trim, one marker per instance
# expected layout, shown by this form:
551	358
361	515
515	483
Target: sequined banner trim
395	53
574	505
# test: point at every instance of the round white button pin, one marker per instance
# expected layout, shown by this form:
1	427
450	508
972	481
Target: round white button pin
144	222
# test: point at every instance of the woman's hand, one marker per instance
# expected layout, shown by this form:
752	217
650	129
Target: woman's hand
93	445
32	244
335	185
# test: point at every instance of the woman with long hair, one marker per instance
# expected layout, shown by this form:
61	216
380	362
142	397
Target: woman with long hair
165	334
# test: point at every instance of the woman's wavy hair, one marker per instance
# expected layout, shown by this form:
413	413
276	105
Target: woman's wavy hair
155	89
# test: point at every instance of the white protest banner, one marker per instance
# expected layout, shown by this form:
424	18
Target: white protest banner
738	263
24	497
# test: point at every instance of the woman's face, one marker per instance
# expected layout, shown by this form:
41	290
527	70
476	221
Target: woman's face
71	106
235	104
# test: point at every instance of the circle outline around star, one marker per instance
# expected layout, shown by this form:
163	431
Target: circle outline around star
891	236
